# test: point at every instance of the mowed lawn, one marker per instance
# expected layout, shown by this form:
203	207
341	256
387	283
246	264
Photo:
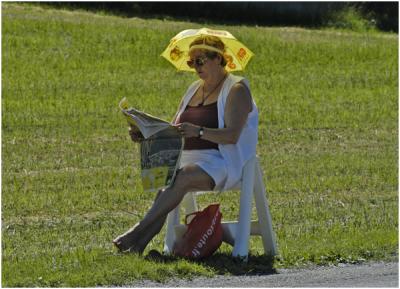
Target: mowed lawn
328	145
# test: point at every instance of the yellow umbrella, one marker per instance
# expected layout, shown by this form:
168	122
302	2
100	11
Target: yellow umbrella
177	52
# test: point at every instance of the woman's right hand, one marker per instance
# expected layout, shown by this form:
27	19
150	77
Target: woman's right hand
136	135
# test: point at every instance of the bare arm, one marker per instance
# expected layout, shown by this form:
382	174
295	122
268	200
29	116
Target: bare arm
237	108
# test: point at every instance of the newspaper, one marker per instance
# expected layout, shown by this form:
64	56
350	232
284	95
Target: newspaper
160	148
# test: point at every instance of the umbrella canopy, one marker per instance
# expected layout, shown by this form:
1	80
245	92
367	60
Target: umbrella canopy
177	52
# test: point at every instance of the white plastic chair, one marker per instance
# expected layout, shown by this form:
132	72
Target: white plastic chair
238	231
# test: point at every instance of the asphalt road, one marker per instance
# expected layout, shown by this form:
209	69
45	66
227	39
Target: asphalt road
366	275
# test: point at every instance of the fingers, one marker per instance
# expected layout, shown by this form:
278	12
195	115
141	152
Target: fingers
135	134
187	130
131	130
181	128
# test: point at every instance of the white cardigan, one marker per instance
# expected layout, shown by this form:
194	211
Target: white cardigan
235	155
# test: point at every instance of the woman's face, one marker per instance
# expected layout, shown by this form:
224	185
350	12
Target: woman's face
203	65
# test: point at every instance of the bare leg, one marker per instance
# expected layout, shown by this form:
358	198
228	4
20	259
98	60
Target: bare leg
190	178
148	235
125	241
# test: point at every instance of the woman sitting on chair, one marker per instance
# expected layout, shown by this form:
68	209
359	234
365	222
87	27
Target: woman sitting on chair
219	121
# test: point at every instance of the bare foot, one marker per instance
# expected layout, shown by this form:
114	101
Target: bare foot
136	249
120	246
127	240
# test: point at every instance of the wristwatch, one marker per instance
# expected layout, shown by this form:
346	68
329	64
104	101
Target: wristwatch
201	132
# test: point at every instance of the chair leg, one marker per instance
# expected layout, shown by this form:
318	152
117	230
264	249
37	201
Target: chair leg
241	247
170	237
189	203
264	216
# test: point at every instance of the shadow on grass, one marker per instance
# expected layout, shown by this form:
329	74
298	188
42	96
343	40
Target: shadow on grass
255	265
224	263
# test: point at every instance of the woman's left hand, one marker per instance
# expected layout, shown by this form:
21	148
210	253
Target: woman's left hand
187	129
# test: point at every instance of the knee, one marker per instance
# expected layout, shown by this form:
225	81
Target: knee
159	193
185	180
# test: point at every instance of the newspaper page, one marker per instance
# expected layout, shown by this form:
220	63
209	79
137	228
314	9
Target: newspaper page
160	148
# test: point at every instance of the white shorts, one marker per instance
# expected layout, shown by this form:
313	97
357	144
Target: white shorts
211	161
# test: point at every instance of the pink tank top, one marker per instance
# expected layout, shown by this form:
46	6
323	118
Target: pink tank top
203	115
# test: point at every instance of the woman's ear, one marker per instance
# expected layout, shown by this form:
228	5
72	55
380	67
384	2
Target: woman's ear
220	58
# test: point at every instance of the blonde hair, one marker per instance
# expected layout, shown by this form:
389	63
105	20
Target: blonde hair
215	44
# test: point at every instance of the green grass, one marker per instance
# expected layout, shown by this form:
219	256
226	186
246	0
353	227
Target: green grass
328	145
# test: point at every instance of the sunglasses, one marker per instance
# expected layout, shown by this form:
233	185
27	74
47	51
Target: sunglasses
199	61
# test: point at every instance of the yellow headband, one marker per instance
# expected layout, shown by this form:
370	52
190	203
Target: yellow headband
207	47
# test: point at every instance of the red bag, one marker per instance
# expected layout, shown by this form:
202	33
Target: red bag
203	235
